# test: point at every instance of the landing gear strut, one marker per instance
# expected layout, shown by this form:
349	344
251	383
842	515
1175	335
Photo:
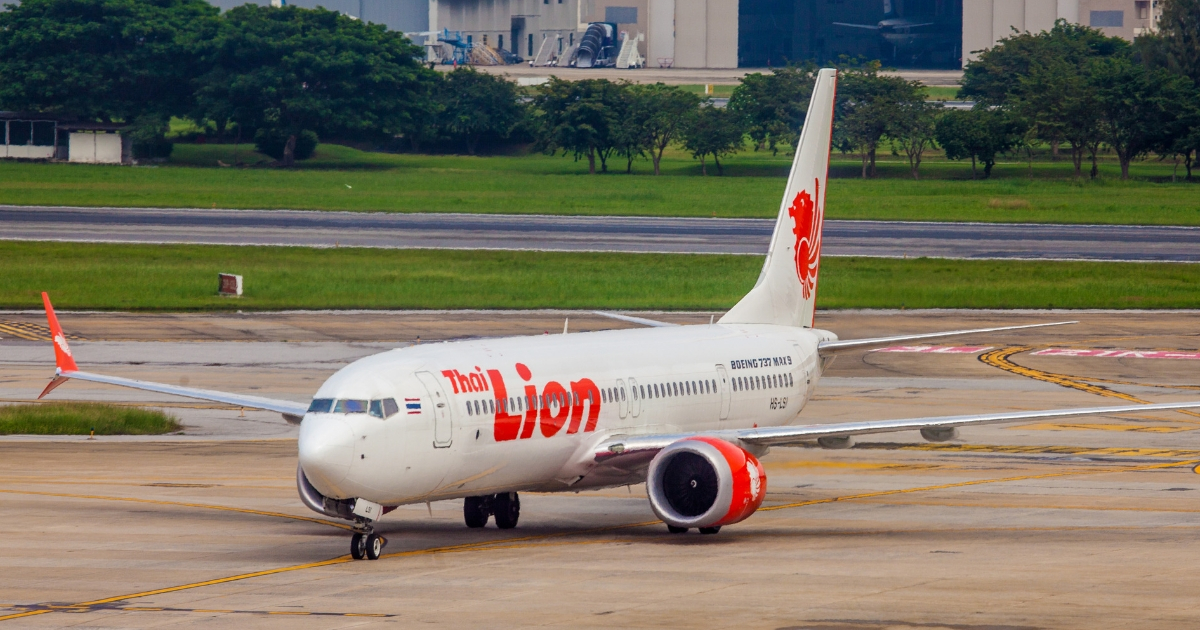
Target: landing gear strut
506	507
365	543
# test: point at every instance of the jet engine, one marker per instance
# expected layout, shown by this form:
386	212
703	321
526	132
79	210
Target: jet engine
704	482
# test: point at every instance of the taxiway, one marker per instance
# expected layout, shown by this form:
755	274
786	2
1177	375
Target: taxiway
1086	524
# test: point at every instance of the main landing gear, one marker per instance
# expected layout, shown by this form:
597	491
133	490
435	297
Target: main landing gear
365	543
506	507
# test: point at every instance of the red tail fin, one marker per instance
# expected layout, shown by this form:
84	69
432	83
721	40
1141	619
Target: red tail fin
62	352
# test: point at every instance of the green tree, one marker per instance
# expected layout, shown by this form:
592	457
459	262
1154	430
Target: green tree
655	116
1179	29
1137	105
773	105
995	76
980	134
107	60
477	105
713	131
913	131
290	69
580	117
1059	100
870	106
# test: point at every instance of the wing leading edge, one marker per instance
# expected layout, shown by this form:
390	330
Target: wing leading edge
67	369
827	348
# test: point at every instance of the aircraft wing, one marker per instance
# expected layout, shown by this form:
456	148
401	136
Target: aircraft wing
638	447
826	348
869	27
636	320
66	369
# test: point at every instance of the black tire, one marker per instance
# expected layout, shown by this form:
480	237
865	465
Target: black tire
373	546
475	512
507	508
357	548
710	530
676	530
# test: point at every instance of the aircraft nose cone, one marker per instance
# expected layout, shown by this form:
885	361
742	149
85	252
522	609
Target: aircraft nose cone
326	448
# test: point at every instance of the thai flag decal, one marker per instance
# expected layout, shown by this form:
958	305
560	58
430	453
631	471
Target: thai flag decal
413	405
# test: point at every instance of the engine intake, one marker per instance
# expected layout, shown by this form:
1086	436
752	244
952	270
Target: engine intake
705	482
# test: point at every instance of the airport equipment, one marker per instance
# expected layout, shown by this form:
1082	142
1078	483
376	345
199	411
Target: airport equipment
545	54
629	57
598	46
686	409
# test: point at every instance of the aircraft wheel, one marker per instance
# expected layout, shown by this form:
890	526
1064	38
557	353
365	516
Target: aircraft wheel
507	508
373	546
475	512
676	530
710	530
358	547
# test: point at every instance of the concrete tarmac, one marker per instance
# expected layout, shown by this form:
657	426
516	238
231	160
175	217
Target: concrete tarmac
1089	523
580	233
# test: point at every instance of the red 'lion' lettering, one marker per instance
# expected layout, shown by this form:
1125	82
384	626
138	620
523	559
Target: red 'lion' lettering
511	424
808	219
584	391
553	393
507	424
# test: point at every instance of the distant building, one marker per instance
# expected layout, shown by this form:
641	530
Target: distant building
41	137
986	22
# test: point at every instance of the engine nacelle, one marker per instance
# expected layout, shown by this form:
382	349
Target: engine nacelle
705	482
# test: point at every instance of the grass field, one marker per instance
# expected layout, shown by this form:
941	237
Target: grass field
81	418
340	178
183	278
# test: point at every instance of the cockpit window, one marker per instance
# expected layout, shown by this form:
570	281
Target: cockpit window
320	405
377	408
390	408
350	406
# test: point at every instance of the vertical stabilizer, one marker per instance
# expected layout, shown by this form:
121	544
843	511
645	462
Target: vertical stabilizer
786	291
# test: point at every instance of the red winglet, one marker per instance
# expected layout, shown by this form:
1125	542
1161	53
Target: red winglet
62	352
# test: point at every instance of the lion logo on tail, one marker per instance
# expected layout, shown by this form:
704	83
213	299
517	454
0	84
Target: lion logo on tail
808	219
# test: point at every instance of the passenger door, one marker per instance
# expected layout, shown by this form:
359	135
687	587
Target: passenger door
622	399
443	421
635	401
723	383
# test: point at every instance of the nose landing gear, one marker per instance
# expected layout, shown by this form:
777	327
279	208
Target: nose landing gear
506	507
366	544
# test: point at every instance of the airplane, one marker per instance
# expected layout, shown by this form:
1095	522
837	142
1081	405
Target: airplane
688	410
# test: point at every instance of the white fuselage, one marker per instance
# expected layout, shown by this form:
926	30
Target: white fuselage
525	413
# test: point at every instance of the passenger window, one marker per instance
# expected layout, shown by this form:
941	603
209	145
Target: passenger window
377	409
320	405
469	413
390	408
622	391
350	406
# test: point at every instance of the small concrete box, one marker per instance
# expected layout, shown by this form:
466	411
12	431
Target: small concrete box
90	147
229	284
